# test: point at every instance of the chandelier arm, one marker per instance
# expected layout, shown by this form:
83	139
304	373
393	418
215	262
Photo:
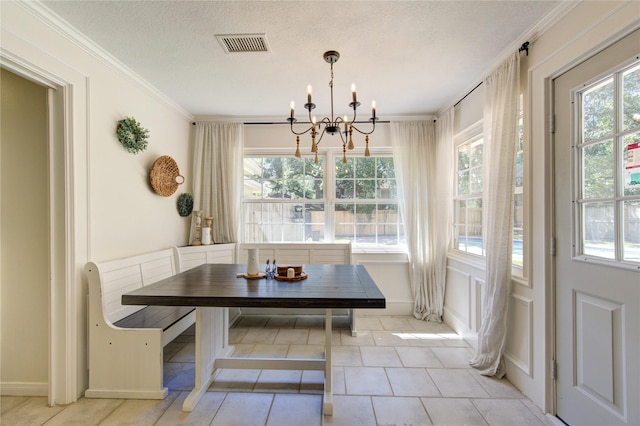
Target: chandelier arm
321	135
363	132
299	133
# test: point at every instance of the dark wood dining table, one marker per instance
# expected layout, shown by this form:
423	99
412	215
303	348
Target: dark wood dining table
213	288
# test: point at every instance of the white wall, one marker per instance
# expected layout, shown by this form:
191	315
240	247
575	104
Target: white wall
112	211
25	233
585	29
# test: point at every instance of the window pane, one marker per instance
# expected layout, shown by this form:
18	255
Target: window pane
385	167
631	164
272	168
253	168
519	169
387	189
631	229
476	153
252	213
459	212
344	170
475	180
312	169
387	218
598	170
345	220
365	167
463	182
463	157
314	222
631	98
345	188
253	233
518	230
598	230
366	189
252	188
597	111
273	189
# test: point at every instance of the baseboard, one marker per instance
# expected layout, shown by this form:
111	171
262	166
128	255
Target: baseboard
126	394
24	389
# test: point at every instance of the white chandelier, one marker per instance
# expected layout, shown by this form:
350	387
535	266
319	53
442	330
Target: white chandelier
333	125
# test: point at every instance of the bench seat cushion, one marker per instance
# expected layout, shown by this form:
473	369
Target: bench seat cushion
155	317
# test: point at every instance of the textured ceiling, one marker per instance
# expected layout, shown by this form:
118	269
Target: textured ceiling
412	57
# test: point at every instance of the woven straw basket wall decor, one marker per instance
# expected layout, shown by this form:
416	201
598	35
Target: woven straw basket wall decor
165	176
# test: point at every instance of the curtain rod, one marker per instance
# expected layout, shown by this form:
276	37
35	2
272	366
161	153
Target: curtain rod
524	47
251	123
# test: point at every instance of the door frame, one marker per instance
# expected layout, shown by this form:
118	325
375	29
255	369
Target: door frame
68	236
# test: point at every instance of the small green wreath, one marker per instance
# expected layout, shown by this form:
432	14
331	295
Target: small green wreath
185	204
132	135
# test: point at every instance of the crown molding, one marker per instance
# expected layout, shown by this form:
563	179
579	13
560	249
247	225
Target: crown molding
50	18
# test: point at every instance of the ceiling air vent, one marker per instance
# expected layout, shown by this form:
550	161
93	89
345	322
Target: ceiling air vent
237	43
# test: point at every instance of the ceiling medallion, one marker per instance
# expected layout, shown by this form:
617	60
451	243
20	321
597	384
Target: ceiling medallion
332	125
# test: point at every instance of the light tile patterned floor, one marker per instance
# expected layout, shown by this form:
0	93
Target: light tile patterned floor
397	371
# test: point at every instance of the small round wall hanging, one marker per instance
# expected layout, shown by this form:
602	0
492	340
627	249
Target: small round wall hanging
185	204
165	176
132	135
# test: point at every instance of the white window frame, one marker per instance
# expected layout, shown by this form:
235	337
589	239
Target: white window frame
329	199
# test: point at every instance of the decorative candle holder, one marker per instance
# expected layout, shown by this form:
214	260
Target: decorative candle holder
209	220
198	240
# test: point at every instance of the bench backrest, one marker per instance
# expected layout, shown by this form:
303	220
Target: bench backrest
191	256
110	280
300	253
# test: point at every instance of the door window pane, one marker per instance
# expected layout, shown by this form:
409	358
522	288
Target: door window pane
598	167
631	221
597	111
631	164
631	98
599	230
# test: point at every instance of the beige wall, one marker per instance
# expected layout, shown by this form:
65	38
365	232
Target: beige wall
24	261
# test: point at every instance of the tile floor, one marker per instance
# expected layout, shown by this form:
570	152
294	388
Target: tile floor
397	371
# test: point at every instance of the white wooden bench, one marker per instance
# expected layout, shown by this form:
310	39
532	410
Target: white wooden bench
126	342
300	254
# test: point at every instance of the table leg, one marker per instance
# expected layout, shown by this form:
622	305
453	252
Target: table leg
327	404
212	342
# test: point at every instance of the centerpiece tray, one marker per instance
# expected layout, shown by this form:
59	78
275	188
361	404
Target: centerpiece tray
302	276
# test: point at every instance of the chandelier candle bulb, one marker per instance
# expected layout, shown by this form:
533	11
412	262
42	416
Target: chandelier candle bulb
292	107
309	94
373	109
353	93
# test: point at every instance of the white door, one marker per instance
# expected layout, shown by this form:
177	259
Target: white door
597	226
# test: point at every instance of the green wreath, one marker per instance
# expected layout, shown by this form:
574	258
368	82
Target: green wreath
132	135
185	204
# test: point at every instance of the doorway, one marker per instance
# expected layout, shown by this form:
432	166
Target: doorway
597	258
24	264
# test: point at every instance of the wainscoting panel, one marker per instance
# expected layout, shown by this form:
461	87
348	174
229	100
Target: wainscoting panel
519	349
477	299
457	296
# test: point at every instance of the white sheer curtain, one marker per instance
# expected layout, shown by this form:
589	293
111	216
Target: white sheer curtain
423	172
217	177
500	135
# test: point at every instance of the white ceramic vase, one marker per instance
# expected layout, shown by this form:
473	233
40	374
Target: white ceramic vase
252	261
